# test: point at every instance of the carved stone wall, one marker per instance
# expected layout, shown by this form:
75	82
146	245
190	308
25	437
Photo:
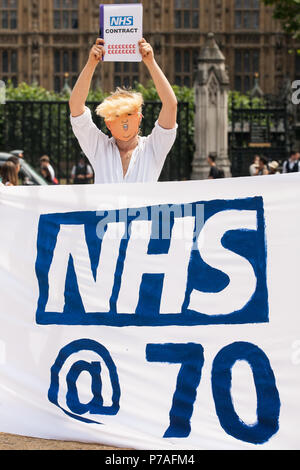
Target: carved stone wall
157	15
218	19
36	38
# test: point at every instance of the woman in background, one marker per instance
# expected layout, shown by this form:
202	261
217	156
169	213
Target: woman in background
9	174
46	174
254	167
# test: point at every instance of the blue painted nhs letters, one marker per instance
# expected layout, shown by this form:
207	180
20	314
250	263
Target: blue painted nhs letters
121	21
97	269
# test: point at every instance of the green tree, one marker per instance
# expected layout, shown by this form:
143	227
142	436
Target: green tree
32	120
25	92
288	13
244	101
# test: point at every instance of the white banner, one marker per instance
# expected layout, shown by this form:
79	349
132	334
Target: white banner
152	316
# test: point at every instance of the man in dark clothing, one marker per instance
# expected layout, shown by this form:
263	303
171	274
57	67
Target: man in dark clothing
292	165
215	172
18	153
82	173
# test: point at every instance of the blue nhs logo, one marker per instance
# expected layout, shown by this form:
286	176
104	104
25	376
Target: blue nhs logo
121	21
186	264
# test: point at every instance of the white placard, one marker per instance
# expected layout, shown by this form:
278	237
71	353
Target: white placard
121	27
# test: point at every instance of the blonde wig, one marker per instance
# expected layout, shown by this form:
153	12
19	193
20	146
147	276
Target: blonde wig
120	102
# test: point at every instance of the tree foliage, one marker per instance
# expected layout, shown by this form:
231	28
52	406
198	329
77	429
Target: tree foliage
25	92
288	13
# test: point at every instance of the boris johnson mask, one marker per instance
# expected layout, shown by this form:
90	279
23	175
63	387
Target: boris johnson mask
124	127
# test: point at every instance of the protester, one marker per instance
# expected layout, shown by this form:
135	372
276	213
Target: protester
16	161
125	157
45	172
82	172
18	153
292	165
45	162
215	172
262	168
254	166
273	168
9	174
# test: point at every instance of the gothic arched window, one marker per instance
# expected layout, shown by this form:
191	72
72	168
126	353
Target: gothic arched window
9	65
246	14
65	14
186	14
65	62
9	14
246	65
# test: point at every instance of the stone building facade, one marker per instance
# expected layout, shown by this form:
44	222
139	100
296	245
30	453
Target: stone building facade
42	40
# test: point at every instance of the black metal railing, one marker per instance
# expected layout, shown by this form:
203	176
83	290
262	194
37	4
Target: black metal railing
43	127
262	128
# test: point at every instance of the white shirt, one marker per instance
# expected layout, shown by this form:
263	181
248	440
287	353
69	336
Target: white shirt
51	171
88	169
253	169
146	161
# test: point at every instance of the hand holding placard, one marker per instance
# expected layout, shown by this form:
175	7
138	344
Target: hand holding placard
146	51
97	52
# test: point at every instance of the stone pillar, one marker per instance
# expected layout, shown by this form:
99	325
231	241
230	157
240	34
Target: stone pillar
211	114
35	41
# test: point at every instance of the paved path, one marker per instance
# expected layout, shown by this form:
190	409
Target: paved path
12	442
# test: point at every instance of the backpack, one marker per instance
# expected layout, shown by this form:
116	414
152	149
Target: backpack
221	173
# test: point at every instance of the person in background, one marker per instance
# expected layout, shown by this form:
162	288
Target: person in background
215	172
16	161
47	175
273	168
262	168
17	153
82	172
45	161
253	168
9	175
292	165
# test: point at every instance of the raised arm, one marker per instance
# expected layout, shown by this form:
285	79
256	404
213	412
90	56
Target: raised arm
168	114
82	86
